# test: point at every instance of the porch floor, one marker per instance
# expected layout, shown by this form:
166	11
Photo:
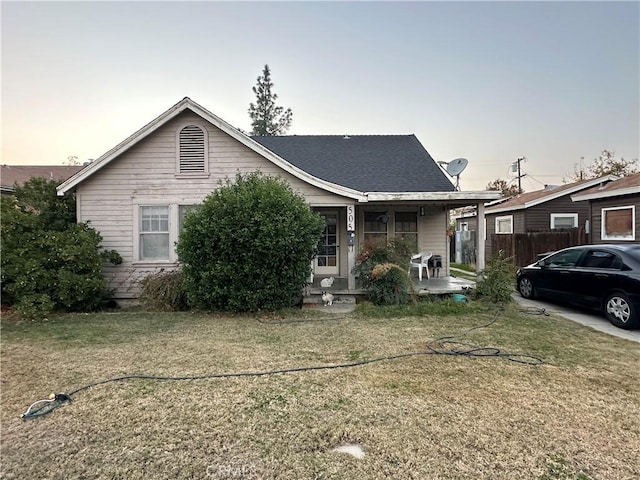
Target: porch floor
432	286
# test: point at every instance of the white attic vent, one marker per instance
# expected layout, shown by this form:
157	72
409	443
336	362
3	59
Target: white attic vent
192	149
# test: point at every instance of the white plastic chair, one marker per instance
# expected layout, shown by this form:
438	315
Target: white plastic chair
420	261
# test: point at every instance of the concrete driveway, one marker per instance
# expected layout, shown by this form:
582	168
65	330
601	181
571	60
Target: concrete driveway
593	320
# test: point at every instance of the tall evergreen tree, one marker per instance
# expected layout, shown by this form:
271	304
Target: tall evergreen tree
266	117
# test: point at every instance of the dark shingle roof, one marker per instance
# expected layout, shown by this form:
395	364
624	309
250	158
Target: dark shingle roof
367	163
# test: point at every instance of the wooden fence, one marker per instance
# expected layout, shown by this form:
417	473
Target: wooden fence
525	247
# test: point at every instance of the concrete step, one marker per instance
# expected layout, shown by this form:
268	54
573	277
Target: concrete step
337	299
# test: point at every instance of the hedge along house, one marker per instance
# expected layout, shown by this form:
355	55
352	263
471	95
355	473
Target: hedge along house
365	187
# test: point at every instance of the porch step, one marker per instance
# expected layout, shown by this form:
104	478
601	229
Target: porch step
337	299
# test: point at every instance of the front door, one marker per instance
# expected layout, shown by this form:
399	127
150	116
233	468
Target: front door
326	262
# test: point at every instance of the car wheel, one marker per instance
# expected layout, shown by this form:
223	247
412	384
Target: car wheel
525	287
620	311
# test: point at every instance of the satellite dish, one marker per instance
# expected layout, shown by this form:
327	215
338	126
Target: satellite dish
455	167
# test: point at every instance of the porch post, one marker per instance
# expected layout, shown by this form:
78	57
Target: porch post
480	229
351	248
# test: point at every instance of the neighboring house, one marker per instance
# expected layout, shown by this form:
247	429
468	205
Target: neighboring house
547	209
365	187
466	219
10	175
614	210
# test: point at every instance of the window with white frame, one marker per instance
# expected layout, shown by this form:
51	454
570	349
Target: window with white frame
154	233
464	226
619	223
192	150
504	224
564	220
158	231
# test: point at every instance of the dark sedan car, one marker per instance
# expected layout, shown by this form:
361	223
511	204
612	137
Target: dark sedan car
602	277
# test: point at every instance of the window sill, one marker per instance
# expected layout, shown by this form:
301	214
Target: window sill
192	175
154	263
620	239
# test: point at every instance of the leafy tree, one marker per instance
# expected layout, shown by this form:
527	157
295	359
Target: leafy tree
266	117
249	246
39	197
500	185
72	160
605	164
49	262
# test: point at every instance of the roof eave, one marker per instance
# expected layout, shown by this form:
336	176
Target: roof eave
606	194
553	196
470	196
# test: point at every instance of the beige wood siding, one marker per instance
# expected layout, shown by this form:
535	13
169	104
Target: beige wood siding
432	234
146	173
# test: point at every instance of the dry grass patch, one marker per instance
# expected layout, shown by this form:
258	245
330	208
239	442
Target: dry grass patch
431	416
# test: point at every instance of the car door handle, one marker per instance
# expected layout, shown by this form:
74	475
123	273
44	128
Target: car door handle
601	275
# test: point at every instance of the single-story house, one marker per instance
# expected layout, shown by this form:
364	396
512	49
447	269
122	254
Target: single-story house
10	175
466	218
614	210
364	186
547	209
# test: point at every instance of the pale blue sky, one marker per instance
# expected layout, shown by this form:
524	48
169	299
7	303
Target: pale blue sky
489	81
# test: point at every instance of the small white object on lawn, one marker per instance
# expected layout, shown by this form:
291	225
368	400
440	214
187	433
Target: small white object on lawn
353	450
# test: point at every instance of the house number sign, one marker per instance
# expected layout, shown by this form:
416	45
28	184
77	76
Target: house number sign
351	218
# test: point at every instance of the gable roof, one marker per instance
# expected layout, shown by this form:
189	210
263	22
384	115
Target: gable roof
304	167
628	185
367	163
188	104
530	199
12	174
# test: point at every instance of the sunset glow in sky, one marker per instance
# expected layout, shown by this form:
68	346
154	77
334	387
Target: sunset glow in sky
488	81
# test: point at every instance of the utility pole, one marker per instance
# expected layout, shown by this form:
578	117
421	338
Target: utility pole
520	175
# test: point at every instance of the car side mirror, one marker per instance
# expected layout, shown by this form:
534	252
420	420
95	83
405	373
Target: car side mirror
541	264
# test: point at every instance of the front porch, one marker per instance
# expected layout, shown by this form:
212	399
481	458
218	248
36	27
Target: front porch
432	286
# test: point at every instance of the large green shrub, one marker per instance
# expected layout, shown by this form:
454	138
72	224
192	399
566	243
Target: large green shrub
249	246
49	262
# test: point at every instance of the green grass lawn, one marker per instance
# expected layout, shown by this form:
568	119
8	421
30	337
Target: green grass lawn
428	416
